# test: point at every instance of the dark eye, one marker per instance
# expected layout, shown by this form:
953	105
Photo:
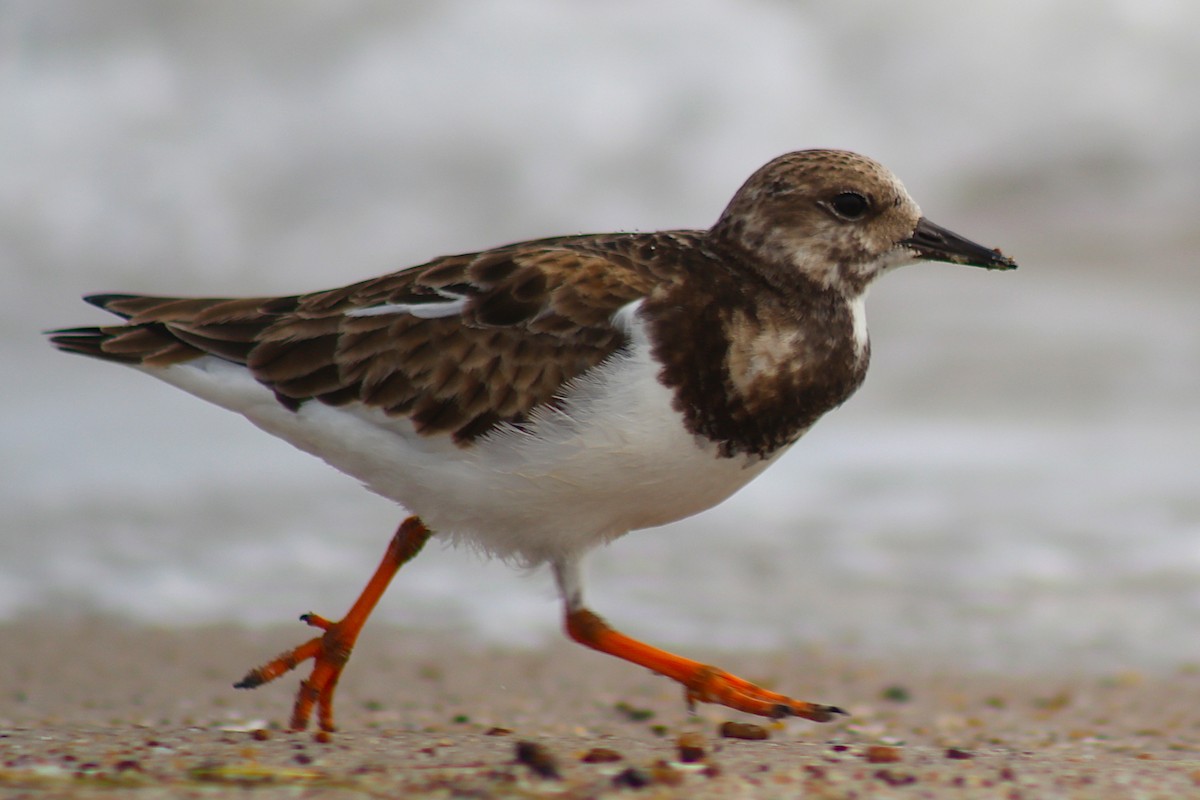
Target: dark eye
849	205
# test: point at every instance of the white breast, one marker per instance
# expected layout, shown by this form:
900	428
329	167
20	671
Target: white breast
613	457
858	319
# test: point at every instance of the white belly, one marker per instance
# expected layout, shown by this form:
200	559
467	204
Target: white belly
615	457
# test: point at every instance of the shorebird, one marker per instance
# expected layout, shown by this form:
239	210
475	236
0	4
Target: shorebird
540	399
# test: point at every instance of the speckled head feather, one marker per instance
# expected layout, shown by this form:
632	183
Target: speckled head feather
833	216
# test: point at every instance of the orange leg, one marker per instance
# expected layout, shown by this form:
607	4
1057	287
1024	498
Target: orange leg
701	682
331	651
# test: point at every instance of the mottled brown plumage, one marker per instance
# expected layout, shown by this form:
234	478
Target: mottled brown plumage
536	315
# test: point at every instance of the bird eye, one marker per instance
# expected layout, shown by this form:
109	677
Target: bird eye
849	205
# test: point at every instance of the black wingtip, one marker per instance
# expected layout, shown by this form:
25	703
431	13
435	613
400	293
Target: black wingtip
66	337
105	300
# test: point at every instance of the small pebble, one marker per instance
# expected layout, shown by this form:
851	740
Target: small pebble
743	730
691	747
632	778
539	759
600	755
894	778
882	754
664	774
633	714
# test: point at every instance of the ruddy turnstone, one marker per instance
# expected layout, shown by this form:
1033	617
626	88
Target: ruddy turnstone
546	397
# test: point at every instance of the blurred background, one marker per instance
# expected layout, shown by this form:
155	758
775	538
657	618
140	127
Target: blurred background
1016	485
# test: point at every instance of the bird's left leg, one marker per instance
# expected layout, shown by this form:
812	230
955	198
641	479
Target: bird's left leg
331	650
701	682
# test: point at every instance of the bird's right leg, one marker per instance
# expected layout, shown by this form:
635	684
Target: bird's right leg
701	682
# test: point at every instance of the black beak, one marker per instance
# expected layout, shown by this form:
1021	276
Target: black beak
935	243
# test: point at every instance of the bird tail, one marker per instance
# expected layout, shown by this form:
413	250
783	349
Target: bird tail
160	331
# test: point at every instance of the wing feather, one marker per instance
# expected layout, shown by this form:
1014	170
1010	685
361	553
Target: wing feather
528	318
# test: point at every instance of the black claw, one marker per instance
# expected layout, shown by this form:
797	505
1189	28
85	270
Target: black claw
306	617
826	713
251	681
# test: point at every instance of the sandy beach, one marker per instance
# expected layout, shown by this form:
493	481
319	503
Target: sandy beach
96	708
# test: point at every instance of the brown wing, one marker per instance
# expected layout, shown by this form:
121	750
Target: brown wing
526	318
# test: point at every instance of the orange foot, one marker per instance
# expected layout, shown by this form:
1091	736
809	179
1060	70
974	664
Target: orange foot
701	682
331	651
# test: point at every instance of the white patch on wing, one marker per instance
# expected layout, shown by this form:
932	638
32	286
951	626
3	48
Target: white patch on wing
611	457
452	306
627	316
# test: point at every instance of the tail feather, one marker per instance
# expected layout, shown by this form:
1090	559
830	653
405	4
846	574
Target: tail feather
87	342
160	331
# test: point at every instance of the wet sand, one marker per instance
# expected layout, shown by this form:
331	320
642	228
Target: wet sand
99	708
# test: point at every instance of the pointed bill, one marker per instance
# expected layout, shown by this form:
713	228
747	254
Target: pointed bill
934	243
